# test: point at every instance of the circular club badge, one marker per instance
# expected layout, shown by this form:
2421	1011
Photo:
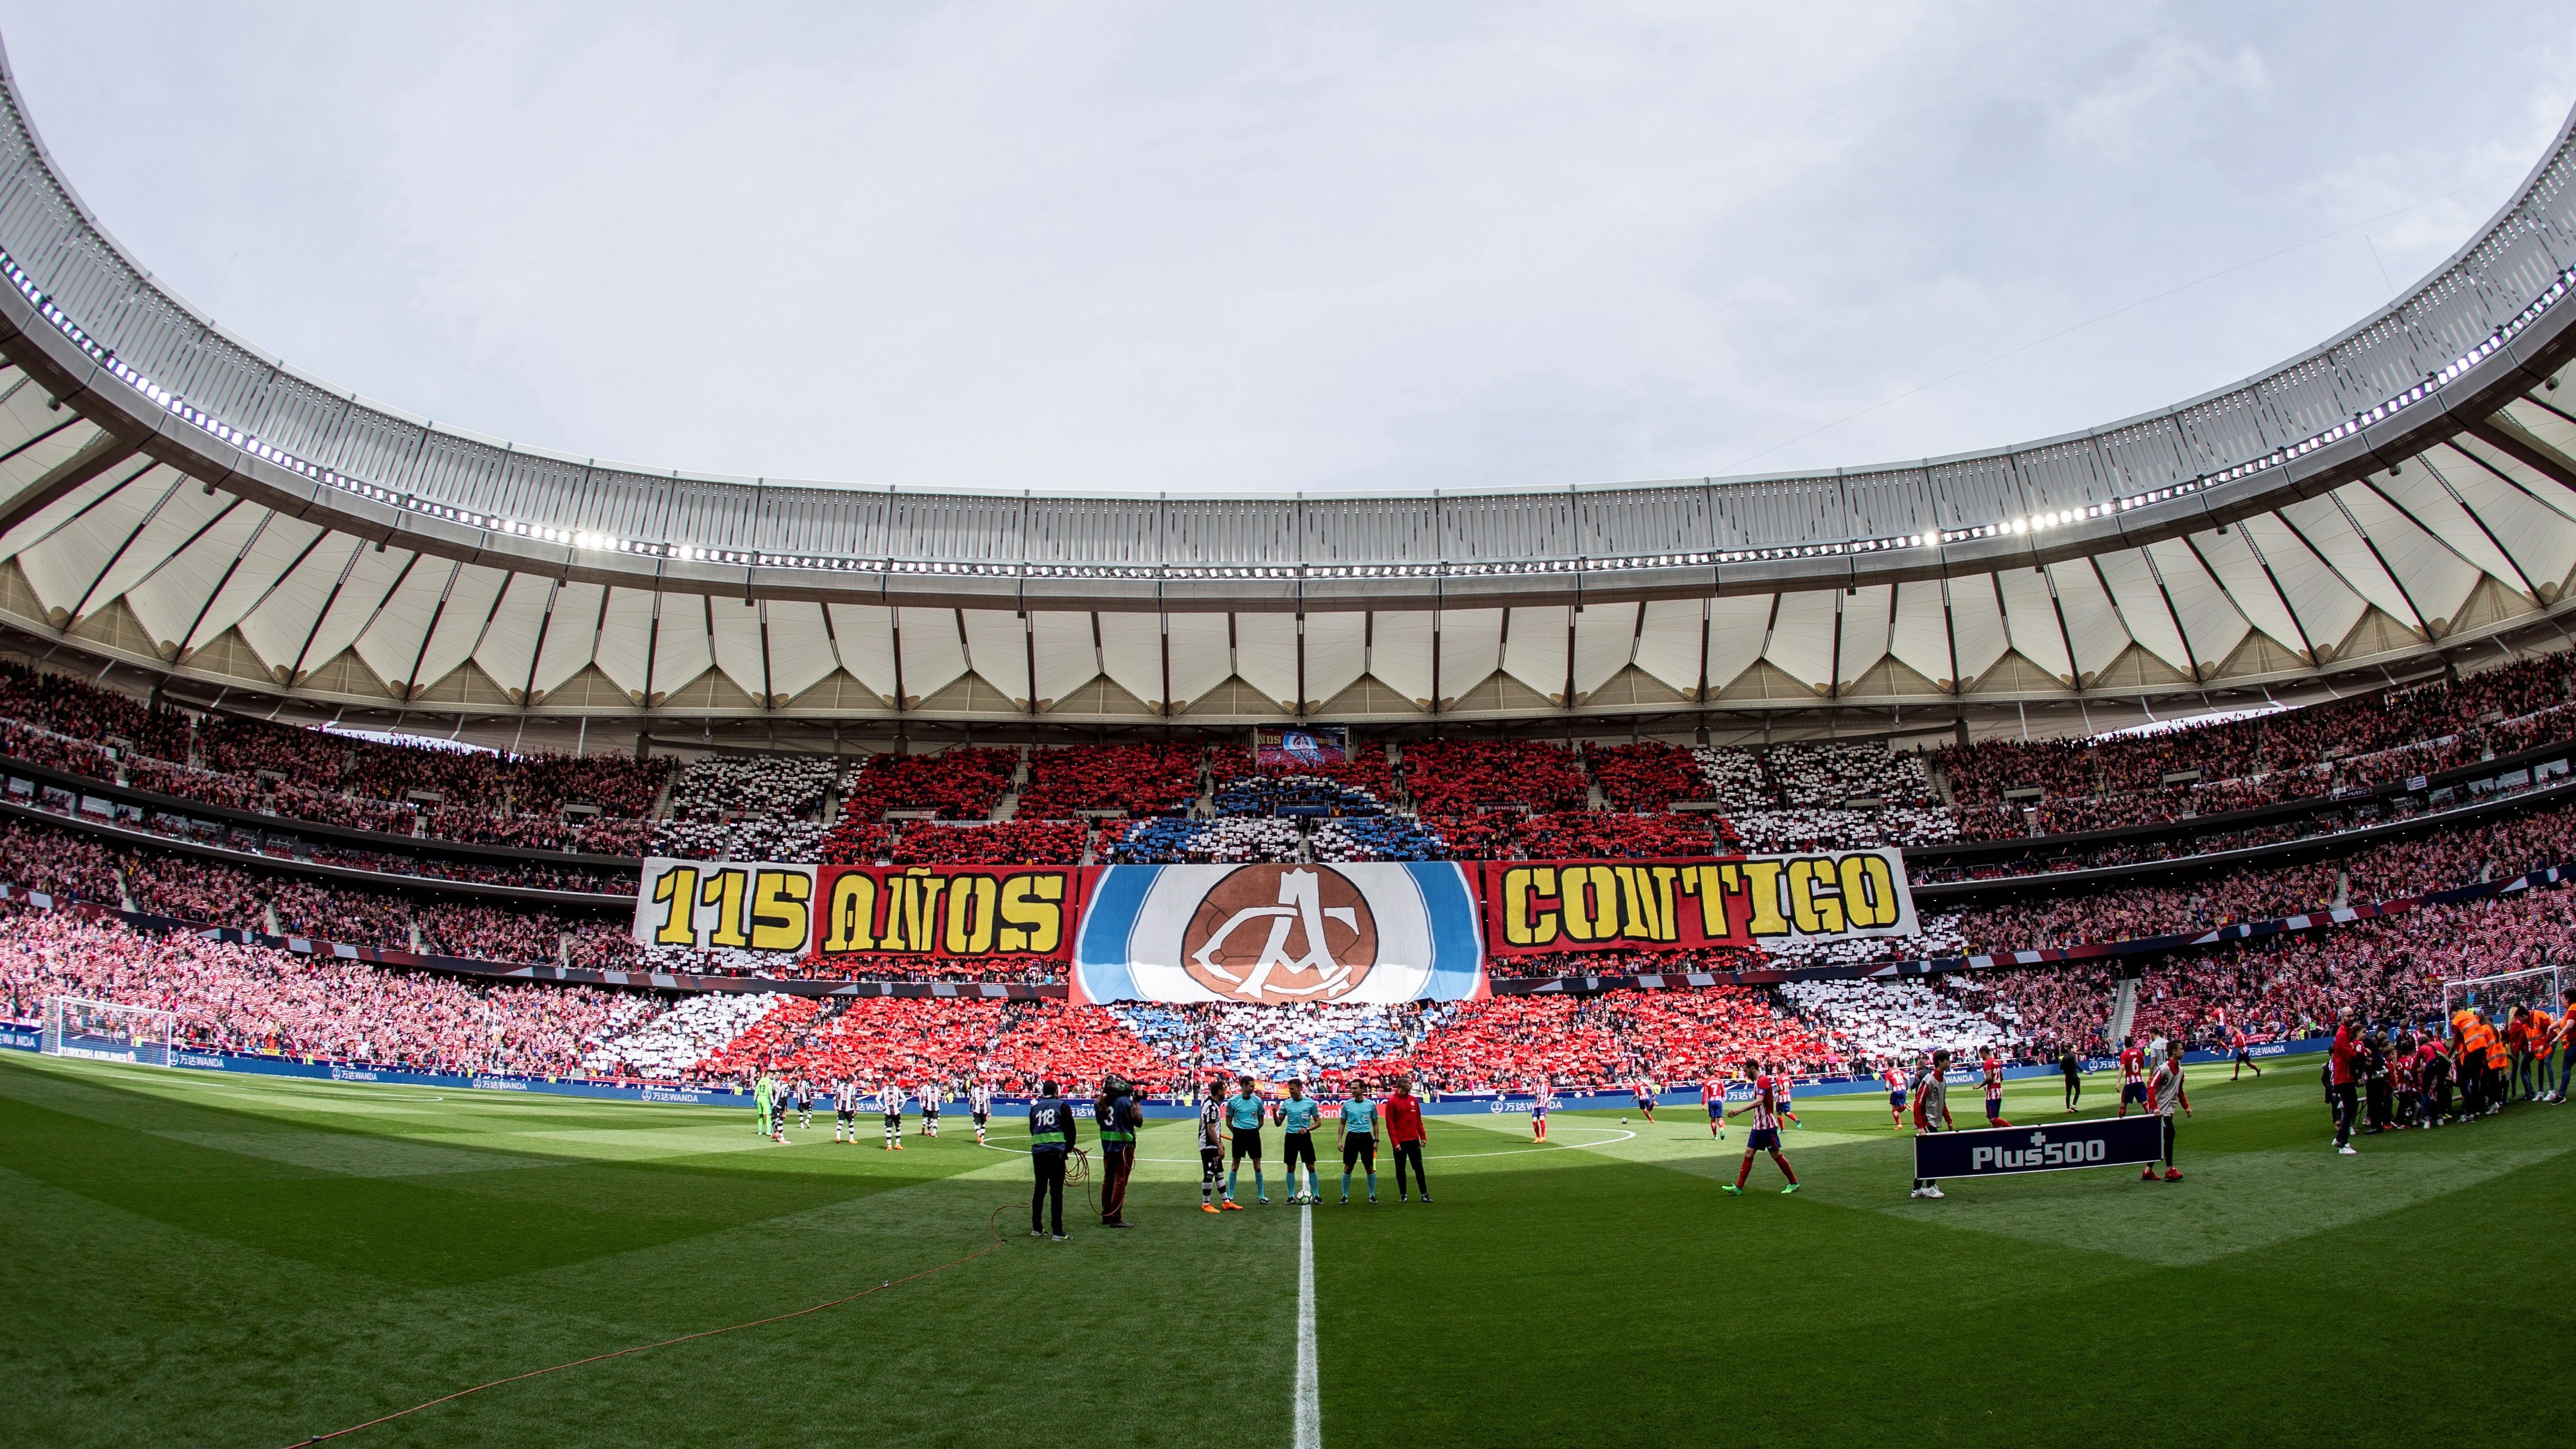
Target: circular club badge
1278	933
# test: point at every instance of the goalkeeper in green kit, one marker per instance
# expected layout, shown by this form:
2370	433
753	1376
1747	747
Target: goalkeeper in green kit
764	1088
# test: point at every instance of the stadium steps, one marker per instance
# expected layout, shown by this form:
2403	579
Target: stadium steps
2124	1008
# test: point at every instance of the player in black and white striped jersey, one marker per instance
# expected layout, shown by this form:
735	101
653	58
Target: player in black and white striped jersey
890	1105
845	1111
979	1105
932	1094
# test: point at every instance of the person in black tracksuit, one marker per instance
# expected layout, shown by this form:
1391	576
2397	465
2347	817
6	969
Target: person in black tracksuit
1051	1137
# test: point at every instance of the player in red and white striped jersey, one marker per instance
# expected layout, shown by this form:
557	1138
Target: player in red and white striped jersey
1712	1095
1765	1108
1994	1083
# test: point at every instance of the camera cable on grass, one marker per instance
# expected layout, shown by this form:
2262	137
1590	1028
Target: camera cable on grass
992	1225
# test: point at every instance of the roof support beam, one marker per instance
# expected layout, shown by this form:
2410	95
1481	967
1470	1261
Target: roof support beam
2520	443
95	457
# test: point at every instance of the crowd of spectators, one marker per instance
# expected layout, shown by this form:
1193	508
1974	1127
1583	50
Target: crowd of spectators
1173	840
253	999
1645	775
2202	769
479	932
1734	779
1818	828
73	707
1597	834
1003	842
1148	779
1309	1042
1382	837
1809	775
1360	784
669	1047
772	787
60	863
320	910
757	837
1458	777
1867	1021
964	783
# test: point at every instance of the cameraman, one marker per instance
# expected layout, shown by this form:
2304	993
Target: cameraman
1050	1142
1116	1111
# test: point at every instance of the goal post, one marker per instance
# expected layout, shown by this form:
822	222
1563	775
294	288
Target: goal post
2497	994
104	1031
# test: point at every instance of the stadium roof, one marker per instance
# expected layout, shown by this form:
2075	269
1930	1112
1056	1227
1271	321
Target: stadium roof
178	501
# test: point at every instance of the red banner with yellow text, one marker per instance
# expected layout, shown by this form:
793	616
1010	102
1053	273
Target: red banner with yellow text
1534	907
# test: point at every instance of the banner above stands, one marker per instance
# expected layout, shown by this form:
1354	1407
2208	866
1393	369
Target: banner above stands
1535	907
1273	934
1373	932
848	915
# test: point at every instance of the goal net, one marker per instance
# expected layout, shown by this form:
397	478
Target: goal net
2538	987
106	1032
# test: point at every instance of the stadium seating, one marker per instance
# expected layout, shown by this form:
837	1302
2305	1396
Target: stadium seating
1169	840
1457	777
1385	837
772	787
1647	775
957	784
248	998
1735	779
1004	842
1314	1044
1156	779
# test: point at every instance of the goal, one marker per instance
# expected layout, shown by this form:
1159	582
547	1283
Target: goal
106	1032
2497	995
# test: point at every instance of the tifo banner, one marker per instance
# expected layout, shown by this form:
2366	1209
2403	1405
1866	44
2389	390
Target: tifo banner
1625	905
1009	913
726	905
1277	933
2055	1147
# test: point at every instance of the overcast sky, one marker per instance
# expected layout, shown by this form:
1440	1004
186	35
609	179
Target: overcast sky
1232	249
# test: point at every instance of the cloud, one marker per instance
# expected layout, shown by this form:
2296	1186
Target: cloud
2171	89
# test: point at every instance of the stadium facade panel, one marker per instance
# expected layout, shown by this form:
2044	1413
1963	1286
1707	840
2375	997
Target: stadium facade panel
173	500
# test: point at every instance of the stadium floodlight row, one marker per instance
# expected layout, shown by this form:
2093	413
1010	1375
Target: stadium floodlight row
181	504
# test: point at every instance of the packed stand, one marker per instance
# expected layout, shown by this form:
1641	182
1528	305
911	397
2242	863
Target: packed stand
1820	775
1457	777
956	784
1383	837
253	999
769	787
1167	840
1734	778
1875	1020
1600	835
1305	1042
670	1046
1003	842
1153	779
752	838
59	863
1782	831
1646	775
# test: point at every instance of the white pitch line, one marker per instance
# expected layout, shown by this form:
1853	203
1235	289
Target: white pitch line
1309	1414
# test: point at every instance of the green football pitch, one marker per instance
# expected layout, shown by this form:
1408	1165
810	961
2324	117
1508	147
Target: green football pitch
200	1260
